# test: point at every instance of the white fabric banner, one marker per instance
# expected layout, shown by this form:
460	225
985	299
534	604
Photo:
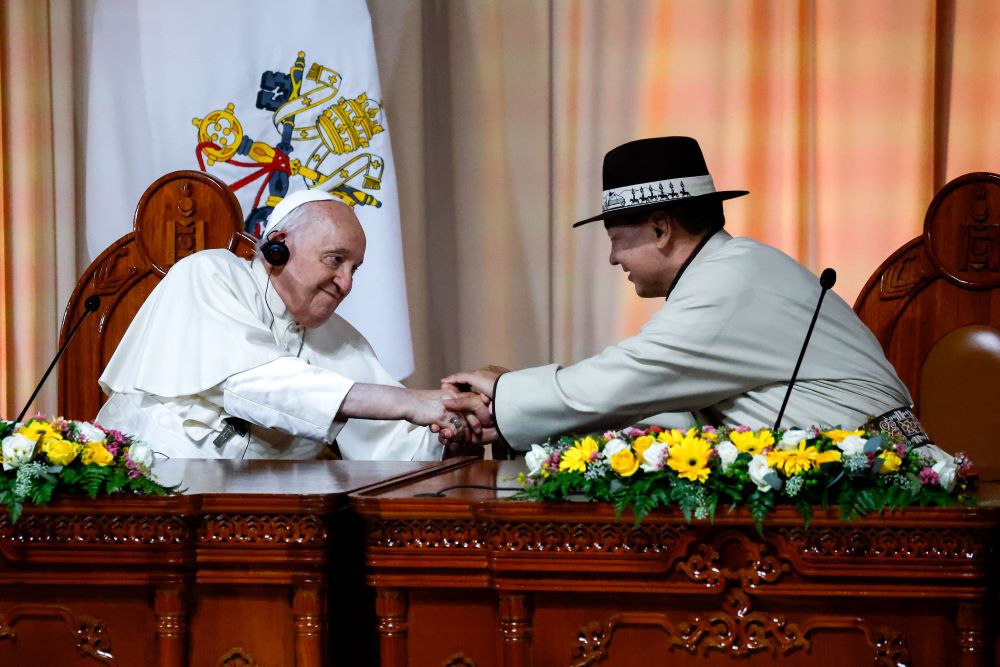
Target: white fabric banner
273	97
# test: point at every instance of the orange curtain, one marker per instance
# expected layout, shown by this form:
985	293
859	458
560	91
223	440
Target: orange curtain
37	192
842	118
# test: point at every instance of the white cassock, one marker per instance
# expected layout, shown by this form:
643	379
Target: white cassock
213	341
723	346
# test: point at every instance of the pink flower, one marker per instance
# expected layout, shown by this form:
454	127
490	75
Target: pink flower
742	429
964	463
929	477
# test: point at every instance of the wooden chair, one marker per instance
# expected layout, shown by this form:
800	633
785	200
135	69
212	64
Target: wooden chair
934	305
178	215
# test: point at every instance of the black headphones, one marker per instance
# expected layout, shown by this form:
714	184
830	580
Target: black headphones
274	253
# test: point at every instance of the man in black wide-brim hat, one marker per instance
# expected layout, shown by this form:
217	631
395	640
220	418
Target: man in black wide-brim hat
724	344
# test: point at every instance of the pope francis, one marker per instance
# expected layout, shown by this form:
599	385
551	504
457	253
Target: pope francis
230	358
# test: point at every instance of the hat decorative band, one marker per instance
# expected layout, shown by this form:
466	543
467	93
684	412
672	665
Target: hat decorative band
670	190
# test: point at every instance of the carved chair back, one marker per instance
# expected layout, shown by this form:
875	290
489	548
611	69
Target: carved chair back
934	305
178	215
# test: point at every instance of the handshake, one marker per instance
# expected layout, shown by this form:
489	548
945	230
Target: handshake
461	412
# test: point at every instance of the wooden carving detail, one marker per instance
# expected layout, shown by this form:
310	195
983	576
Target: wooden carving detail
903	275
82	529
515	628
90	634
888	543
391	607
426	534
970	622
280	529
890	649
733	557
188	235
585	537
116	270
737	631
237	657
980	239
459	660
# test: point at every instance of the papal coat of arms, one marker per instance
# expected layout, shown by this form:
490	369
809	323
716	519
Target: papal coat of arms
329	133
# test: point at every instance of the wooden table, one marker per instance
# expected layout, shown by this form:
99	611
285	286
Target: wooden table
245	568
473	578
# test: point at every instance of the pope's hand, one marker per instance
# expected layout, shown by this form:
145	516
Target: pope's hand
426	407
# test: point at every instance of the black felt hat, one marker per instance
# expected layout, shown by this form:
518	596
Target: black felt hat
654	173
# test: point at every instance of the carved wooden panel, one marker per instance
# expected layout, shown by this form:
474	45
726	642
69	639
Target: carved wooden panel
90	635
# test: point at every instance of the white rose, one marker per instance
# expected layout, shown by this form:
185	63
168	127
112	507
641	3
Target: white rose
792	438
763	475
535	458
652	458
90	433
944	464
852	444
141	454
613	447
727	453
17	450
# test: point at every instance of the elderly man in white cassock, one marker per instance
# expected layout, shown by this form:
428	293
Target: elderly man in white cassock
230	358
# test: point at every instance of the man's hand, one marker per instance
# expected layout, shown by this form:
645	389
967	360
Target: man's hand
482	380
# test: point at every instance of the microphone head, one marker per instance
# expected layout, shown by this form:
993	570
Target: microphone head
828	278
92	303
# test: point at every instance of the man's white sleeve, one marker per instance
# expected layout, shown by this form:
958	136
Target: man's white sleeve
289	395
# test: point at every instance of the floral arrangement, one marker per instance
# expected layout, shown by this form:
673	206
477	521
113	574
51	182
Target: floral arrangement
697	469
42	458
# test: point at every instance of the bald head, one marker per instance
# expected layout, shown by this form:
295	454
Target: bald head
326	245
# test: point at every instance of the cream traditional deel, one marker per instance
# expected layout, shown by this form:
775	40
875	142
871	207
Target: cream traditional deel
723	346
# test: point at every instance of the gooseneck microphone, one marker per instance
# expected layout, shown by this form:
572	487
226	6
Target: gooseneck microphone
90	305
827	279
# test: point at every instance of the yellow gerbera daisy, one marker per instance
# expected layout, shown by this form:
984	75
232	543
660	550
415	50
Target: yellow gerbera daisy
690	458
577	457
750	442
37	430
838	435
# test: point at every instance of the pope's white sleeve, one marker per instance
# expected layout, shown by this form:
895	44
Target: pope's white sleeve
289	395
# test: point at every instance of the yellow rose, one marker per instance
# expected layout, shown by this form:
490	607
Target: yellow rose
641	444
95	452
890	462
625	463
60	452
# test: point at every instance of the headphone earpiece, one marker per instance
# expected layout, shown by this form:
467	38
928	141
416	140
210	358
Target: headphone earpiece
275	253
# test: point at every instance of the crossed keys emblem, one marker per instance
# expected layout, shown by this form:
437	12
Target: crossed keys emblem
338	130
